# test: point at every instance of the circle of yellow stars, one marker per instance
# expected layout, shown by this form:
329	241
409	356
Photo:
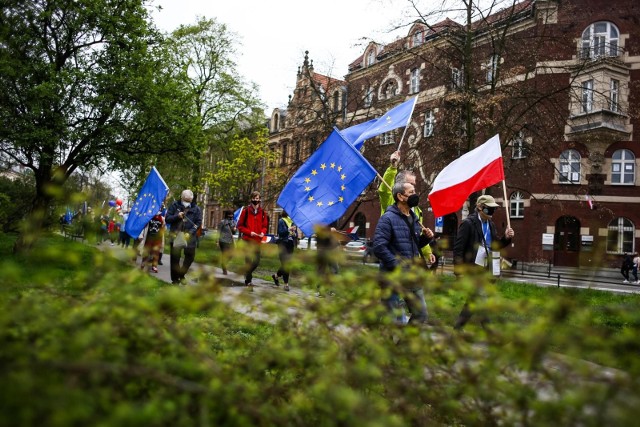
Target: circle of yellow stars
151	208
314	172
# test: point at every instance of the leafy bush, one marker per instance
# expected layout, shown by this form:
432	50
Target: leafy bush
86	340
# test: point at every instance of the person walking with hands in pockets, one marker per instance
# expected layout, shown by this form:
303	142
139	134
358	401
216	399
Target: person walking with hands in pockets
253	225
184	217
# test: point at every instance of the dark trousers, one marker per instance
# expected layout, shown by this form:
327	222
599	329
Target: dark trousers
252	261
178	271
225	249
480	277
286	250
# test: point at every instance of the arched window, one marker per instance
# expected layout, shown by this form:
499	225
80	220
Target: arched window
600	39
623	167
620	236
371	57
275	122
569	167
418	38
390	89
516	205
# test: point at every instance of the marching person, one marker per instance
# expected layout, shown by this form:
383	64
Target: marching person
477	237
287	240
226	230
183	216
253	224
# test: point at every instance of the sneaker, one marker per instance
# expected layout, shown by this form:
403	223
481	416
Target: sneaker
286	287
154	269
275	280
625	281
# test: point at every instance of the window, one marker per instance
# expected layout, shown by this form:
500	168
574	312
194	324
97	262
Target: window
599	39
297	151
623	167
387	138
283	160
614	95
587	96
429	123
569	167
336	101
518	146
390	89
368	97
620	233
275	123
516	205
492	67
418	38
414	87
457	78
371	57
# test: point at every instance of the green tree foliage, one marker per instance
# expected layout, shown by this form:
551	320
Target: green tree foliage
15	201
86	340
85	84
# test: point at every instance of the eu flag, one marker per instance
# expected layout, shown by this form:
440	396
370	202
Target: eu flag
148	203
395	118
324	187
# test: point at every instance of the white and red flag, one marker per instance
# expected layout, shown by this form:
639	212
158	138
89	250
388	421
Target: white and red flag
473	171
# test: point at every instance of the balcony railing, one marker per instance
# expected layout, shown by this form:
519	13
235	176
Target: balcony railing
601	50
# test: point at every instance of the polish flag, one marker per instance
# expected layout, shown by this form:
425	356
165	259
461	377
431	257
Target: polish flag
473	171
589	201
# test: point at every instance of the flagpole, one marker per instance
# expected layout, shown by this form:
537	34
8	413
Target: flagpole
506	206
408	121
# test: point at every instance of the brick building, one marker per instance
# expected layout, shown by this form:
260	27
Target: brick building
557	80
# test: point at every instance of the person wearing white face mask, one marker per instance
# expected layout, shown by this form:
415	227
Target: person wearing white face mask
253	224
183	216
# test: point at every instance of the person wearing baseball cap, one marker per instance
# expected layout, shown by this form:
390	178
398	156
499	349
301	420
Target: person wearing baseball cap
476	239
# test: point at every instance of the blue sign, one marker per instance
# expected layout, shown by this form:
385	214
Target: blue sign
439	224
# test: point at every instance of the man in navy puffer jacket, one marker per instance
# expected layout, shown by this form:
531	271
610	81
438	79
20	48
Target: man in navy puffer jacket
397	242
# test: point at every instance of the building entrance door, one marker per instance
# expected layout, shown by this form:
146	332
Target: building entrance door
566	242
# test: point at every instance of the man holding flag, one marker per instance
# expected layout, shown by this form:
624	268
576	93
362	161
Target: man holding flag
186	217
477	235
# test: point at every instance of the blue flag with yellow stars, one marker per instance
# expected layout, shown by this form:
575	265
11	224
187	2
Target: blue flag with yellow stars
148	203
324	187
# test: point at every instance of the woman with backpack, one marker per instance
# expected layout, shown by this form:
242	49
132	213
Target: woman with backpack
153	242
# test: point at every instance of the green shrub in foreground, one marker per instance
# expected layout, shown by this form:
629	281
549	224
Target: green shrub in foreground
102	344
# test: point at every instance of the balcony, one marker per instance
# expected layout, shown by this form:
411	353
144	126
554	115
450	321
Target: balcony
603	125
600	51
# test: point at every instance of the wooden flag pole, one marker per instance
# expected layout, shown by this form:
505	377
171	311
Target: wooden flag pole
506	204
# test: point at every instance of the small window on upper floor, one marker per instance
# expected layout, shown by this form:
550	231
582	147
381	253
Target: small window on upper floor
283	159
586	98
600	39
414	86
371	57
516	205
614	95
276	123
518	146
368	97
623	167
418	38
390	89
336	101
569	167
387	138
491	68
429	124
457	78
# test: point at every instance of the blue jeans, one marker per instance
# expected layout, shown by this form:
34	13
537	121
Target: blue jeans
414	298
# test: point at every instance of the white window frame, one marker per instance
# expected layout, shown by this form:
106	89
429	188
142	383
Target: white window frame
516	205
415	80
623	167
586	97
368	97
492	68
518	146
371	57
418	38
429	124
620	236
387	138
614	95
457	77
600	39
570	167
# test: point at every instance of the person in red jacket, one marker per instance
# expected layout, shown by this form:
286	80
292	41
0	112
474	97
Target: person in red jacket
253	225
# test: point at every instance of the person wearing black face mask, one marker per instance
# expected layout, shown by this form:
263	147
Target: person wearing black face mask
476	239
397	242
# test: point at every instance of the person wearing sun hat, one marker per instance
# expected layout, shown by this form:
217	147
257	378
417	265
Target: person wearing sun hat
477	237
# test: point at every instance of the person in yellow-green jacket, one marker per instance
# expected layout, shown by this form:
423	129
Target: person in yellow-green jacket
392	176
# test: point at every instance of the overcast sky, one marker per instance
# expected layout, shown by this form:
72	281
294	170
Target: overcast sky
274	35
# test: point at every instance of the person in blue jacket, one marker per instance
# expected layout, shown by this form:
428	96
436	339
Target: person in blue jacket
397	242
